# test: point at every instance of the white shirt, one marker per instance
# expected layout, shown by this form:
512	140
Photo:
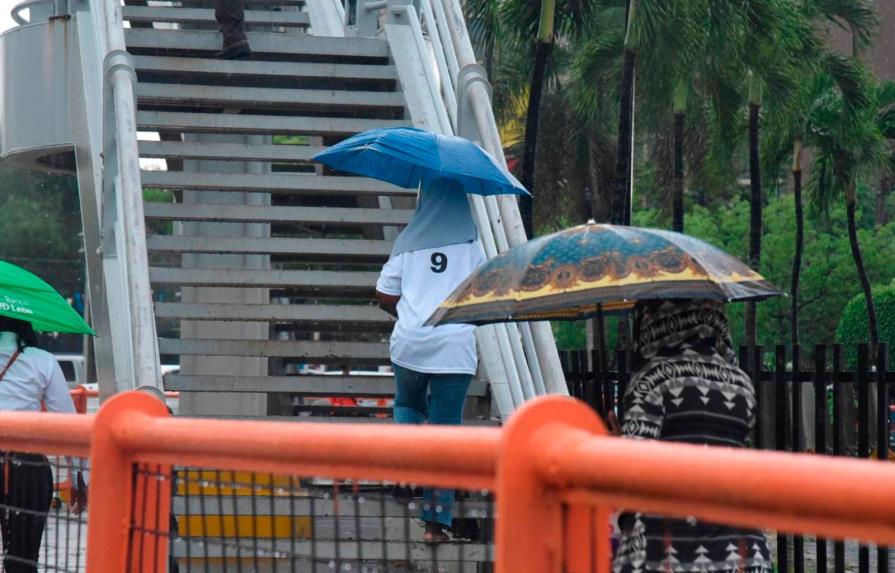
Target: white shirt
33	378
423	279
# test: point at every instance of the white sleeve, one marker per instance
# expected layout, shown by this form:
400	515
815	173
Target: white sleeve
478	255
57	398
390	278
56	395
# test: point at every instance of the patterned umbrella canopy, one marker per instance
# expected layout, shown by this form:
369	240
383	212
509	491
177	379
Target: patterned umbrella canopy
566	275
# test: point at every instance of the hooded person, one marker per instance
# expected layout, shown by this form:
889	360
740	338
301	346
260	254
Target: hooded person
686	387
433	366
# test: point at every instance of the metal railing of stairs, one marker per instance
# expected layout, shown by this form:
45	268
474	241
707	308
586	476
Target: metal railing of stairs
113	156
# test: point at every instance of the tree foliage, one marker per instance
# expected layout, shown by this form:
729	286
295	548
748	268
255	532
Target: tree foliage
41	226
853	328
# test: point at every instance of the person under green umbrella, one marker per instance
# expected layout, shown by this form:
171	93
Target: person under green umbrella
31	378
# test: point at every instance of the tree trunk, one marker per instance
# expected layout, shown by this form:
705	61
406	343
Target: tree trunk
543	47
530	146
621	183
800	239
755	211
677	199
882	197
850	207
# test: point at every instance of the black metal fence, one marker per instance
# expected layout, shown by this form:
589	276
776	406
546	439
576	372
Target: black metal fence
806	403
41	528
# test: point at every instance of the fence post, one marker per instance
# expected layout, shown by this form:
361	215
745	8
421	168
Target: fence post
820	432
882	432
113	525
862	381
780	435
839	442
531	537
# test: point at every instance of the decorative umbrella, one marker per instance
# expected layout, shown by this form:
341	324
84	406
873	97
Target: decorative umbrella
408	157
582	270
25	296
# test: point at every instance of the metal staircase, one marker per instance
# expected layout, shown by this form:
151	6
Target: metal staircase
252	215
261	264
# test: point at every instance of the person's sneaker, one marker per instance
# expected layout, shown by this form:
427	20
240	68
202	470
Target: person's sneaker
435	533
236	51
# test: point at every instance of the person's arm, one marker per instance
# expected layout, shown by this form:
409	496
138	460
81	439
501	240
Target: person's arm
388	302
57	398
388	287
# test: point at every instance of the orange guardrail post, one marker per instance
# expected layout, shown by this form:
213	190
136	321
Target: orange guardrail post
79	397
534	533
122	511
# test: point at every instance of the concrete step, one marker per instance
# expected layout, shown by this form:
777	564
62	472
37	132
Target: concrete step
265	45
282	183
333	250
257	98
229	151
357	314
341	281
361	386
229	123
235	72
345	353
254	214
177	15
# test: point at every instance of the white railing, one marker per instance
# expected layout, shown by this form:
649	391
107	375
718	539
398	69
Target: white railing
47	6
124	225
463	107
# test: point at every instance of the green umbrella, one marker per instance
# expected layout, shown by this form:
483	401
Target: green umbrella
24	296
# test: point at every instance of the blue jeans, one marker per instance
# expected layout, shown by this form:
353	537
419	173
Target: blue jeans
438	399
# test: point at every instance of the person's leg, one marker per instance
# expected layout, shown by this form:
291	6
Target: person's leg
31	488
230	15
411	388
410	407
448	395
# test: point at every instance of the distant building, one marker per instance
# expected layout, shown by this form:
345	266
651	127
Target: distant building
881	57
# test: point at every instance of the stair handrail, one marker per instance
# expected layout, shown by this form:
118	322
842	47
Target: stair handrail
474	95
122	186
433	15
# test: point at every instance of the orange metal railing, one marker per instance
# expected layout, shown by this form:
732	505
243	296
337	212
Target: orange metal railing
80	394
556	475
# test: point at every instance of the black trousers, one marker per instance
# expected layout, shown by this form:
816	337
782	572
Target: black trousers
26	491
230	15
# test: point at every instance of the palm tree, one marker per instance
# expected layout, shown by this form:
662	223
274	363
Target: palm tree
543	21
621	182
848	148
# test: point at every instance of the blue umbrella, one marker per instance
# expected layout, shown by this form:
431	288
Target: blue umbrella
407	157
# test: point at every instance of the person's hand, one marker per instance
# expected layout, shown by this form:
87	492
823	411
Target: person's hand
614	427
78	495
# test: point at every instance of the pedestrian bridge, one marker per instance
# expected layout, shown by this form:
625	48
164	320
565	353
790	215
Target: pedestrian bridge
212	241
